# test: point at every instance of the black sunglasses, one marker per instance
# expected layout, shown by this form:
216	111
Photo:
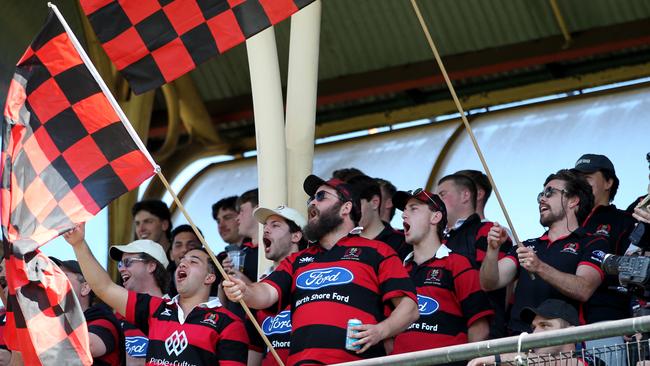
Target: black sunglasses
548	192
320	196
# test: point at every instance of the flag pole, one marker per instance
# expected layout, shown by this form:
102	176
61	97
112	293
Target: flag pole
141	146
425	29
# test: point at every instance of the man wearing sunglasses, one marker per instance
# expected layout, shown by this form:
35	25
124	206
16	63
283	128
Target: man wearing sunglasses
564	263
189	329
452	307
341	276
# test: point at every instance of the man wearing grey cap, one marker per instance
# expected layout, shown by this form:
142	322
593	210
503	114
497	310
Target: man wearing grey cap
142	265
282	236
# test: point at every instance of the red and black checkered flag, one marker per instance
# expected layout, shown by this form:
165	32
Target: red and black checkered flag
153	42
65	155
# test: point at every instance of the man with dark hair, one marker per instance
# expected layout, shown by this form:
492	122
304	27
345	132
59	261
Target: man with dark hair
105	335
341	276
142	265
453	308
189	329
282	236
152	220
224	212
616	225
345	174
373	227
483	189
183	240
565	260
387	208
466	234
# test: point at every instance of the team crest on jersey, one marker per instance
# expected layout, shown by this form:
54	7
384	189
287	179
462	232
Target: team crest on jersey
352	254
434	277
176	343
306	260
210	318
166	312
603	229
571	248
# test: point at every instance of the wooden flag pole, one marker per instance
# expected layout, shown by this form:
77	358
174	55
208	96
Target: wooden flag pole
93	71
425	29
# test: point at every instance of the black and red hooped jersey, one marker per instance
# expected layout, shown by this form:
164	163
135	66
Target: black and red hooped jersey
206	336
450	300
135	341
277	328
356	278
103	323
565	254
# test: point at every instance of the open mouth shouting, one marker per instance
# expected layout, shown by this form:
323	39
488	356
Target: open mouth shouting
181	275
267	244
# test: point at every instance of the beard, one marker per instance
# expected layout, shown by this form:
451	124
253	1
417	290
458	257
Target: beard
551	218
326	222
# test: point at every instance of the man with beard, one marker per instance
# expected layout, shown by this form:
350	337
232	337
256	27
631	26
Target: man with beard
282	236
341	276
564	263
189	329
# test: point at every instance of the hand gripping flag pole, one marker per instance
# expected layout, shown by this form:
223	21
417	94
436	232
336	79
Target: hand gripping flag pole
425	29
140	144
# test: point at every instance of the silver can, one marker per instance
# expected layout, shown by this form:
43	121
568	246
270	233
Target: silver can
348	339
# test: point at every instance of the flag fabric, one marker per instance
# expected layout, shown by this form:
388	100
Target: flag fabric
153	42
65	155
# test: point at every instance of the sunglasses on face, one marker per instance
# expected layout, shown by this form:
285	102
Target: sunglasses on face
416	192
548	192
320	196
126	263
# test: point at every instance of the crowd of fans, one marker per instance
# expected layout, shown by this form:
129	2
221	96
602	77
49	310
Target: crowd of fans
451	276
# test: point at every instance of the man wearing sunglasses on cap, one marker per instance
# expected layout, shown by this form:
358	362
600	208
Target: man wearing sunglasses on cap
564	263
453	309
341	276
189	329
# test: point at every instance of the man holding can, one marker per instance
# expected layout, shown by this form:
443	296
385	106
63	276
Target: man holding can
340	277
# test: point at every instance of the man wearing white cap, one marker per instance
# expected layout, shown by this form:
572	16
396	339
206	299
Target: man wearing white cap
282	236
142	265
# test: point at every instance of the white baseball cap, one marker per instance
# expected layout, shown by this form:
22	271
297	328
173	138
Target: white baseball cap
288	213
141	246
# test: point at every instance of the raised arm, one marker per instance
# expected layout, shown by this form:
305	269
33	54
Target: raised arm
100	282
495	273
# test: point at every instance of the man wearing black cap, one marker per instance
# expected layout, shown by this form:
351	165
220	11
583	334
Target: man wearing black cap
105	335
565	261
607	303
341	276
453	308
552	314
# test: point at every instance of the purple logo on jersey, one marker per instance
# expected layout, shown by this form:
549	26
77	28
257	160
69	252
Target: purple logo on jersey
319	278
278	324
427	305
136	346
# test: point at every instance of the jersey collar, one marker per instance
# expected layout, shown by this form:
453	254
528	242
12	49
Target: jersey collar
213	302
442	252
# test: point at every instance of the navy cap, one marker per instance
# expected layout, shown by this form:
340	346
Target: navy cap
551	309
70	265
589	163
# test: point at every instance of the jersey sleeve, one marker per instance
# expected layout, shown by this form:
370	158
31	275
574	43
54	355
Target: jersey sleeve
473	301
106	331
593	254
232	348
281	279
140	308
394	281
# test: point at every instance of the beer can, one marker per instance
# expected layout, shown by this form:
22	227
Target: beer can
348	339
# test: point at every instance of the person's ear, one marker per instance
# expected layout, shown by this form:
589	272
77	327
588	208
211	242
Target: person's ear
375	202
346	208
296	237
165	225
436	217
210	278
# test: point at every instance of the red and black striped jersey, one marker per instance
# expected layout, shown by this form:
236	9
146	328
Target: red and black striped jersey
356	278
277	328
103	323
450	300
135	342
565	254
205	336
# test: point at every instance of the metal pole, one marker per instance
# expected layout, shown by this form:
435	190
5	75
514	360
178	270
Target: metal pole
302	86
269	125
469	351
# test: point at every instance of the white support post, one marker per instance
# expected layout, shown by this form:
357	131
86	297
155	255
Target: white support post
269	125
302	86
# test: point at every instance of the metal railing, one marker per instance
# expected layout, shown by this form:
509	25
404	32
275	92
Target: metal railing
461	352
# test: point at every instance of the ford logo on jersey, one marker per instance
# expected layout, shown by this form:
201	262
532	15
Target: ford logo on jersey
278	324
427	305
136	346
319	278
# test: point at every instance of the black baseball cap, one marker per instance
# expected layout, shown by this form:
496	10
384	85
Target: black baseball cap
589	163
551	309
70	265
313	182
